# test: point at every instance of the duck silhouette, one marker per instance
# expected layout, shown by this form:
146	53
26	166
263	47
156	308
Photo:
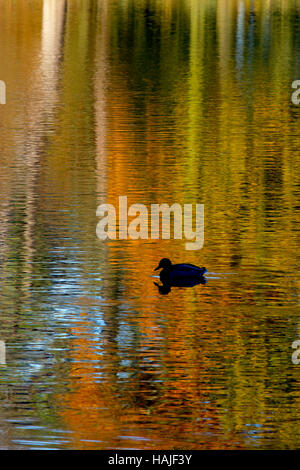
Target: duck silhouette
179	275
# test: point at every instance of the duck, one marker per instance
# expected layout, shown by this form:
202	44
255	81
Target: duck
180	275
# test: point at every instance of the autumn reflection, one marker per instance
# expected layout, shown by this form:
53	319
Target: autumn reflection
179	122
163	101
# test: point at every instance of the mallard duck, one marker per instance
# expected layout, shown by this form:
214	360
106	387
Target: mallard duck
180	274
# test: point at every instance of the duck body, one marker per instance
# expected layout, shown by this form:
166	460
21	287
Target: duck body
180	275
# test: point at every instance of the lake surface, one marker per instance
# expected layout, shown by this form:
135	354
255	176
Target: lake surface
165	102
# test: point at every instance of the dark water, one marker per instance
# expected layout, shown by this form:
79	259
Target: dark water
164	102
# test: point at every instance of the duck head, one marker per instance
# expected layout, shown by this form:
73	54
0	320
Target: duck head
164	263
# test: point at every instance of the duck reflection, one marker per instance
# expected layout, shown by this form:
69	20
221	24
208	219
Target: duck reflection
178	275
165	287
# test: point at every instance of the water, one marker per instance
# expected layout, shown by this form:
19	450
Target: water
170	101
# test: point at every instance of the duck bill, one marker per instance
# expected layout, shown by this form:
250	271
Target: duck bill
156	268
